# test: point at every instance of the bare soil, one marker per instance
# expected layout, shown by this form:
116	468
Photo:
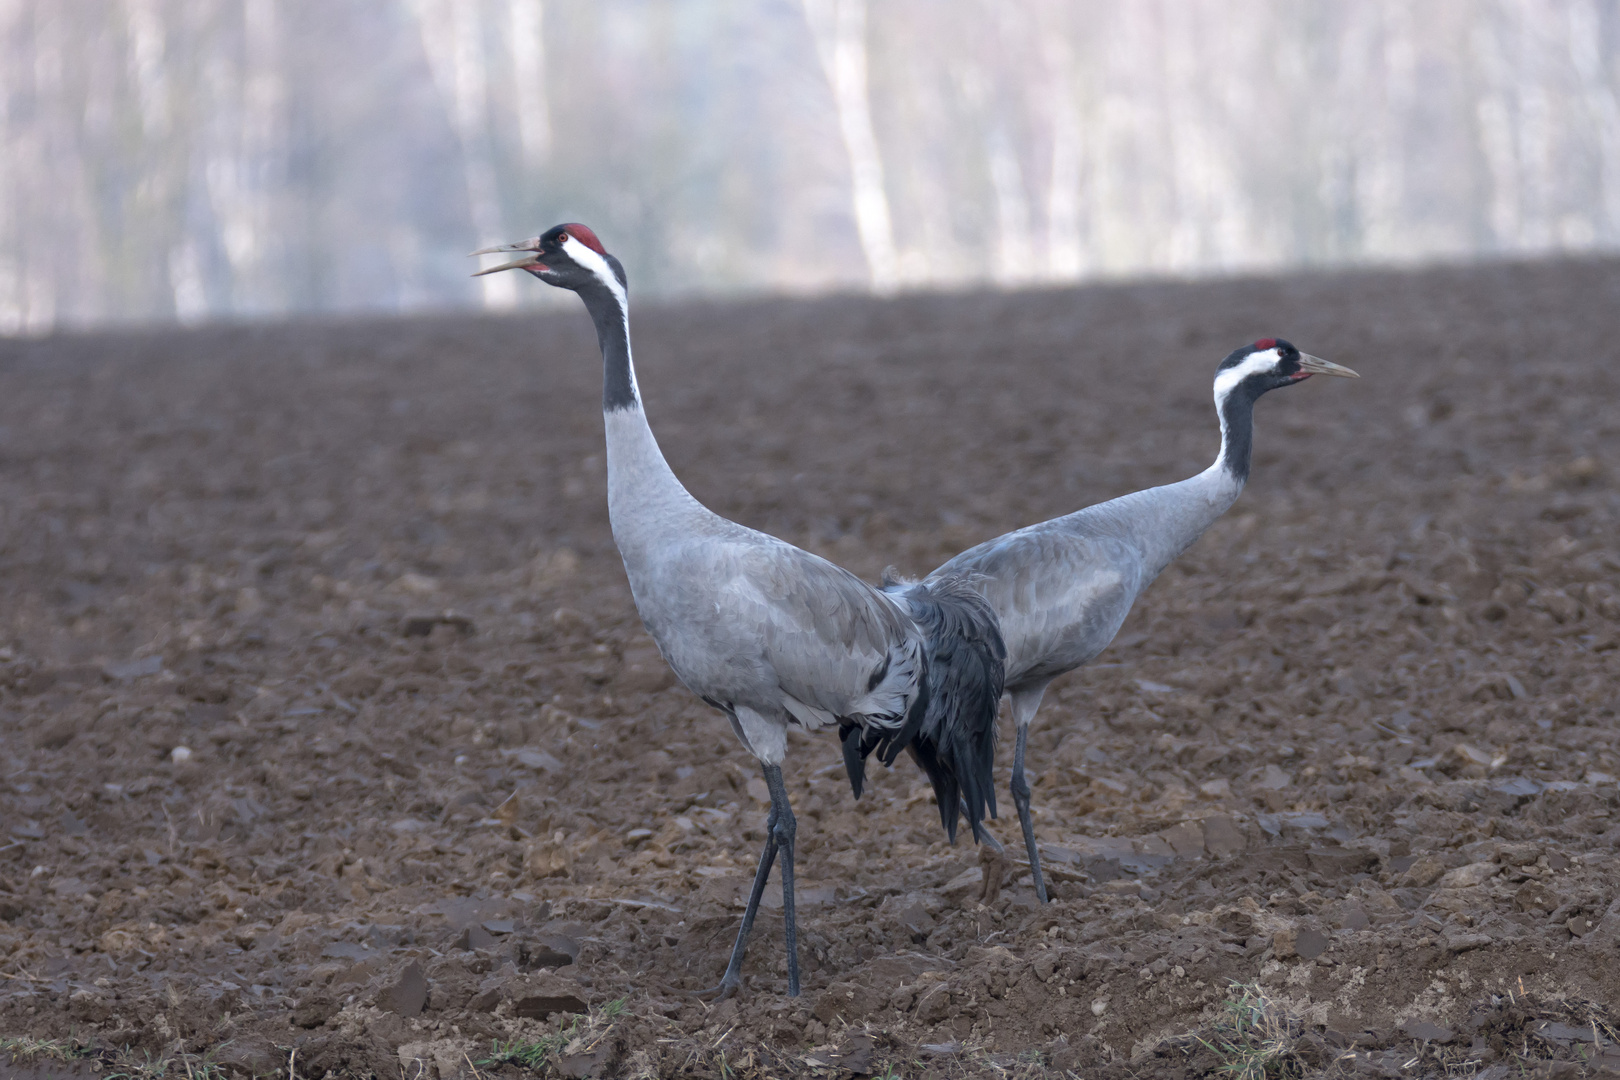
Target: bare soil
1353	757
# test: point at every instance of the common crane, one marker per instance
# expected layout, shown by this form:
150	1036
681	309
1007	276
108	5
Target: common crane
1062	588
772	635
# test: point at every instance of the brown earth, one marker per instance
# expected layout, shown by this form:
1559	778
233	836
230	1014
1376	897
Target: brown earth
1355	751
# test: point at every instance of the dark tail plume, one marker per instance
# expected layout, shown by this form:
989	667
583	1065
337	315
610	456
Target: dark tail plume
950	731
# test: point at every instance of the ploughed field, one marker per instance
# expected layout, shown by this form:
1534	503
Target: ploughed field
1345	781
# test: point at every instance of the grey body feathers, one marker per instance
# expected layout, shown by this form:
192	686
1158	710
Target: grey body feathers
1062	588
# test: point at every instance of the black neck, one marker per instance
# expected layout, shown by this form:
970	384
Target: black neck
613	335
1237	431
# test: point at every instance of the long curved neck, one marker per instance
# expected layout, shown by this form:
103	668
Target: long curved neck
644	495
610	311
1236	411
1164	521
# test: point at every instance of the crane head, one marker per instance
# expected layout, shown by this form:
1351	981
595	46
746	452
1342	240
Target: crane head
568	256
1268	364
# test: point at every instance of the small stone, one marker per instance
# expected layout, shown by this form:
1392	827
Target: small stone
1274	779
1466	877
408	994
1472	755
180	755
1523	854
1581	925
1216	789
1423	872
1464	942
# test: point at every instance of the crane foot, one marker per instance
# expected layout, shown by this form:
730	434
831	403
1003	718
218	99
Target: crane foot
726	988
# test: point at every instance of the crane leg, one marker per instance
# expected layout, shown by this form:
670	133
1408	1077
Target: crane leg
780	829
1020	794
786	830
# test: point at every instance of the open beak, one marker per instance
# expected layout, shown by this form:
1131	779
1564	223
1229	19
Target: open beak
1315	365
522	262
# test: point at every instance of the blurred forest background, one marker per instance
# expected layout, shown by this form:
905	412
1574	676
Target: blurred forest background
193	159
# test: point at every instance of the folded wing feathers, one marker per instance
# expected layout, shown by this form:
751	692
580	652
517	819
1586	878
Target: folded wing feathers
933	660
950	729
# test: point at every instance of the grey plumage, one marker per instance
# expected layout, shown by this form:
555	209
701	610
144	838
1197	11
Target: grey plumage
1061	589
772	635
950	732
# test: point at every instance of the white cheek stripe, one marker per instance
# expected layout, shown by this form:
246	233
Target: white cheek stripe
1253	364
598	266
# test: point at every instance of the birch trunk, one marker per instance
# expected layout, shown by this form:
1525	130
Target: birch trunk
452	37
839	30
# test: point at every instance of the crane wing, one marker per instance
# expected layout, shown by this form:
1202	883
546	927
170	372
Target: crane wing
1061	594
836	646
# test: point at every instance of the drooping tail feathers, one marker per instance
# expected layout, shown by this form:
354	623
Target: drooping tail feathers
950	730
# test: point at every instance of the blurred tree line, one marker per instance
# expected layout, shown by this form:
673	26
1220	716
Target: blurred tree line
201	158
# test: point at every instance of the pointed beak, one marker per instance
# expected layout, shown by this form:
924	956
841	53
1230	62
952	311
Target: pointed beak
531	245
1315	365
